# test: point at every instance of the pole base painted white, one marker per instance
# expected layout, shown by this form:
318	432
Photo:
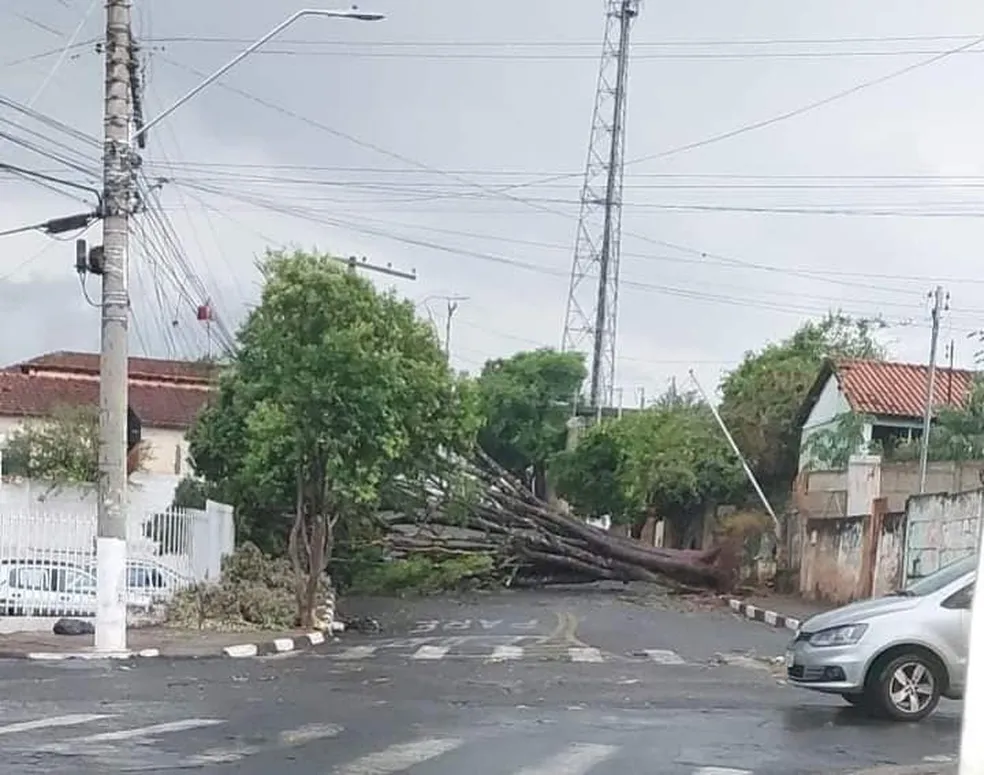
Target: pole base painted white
110	595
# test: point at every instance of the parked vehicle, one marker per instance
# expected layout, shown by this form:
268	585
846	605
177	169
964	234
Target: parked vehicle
894	655
35	587
46	588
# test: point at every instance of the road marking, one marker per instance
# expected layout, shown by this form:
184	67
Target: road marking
149	731
575	760
52	722
309	732
664	657
720	771
357	652
585	654
430	652
286	739
228	755
400	757
507	652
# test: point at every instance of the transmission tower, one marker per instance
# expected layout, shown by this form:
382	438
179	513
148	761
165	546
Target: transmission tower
592	310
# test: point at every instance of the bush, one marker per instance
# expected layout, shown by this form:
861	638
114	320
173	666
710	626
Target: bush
422	575
254	592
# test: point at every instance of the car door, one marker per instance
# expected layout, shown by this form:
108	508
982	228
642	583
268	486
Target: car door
957	636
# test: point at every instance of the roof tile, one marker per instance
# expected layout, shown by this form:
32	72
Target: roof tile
162	405
899	389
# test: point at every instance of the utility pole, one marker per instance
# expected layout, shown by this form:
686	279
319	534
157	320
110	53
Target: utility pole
354	263
939	301
110	633
452	308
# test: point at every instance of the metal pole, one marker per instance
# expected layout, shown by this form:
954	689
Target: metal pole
353	14
930	385
110	633
741	457
598	390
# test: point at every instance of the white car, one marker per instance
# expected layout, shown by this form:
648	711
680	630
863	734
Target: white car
46	588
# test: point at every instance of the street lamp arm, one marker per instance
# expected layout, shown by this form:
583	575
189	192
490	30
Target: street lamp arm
351	14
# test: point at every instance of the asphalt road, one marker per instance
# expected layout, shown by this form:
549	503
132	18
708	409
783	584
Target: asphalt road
536	684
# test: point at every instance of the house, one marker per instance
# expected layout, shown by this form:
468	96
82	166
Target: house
165	396
890	396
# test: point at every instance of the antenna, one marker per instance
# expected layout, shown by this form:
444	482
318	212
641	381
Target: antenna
592	310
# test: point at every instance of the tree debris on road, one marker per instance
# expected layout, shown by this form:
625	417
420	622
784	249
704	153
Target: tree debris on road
531	542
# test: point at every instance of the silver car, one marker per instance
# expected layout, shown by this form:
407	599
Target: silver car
895	655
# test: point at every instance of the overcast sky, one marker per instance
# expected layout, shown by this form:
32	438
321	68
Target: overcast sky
398	140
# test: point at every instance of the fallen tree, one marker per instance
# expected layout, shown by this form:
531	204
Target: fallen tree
486	511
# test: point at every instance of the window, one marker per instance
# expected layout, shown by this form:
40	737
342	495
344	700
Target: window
961	599
934	582
29	578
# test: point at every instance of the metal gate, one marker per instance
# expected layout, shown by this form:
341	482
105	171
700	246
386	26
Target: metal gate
940	529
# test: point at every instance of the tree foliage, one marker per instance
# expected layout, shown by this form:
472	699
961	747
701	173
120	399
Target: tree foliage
762	397
957	433
526	401
669	461
63	448
336	389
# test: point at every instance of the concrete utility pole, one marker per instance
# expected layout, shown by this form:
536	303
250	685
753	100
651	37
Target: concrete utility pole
113	361
939	300
113	364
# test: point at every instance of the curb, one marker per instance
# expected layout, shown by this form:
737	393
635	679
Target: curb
235	651
756	614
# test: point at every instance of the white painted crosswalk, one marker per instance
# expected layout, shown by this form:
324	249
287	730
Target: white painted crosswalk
500	652
100	741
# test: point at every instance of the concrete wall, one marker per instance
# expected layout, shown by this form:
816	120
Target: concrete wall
942	528
167	449
825	493
833	559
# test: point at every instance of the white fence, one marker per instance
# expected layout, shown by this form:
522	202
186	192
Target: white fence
47	558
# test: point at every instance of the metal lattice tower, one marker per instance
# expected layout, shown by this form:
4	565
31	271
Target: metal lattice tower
592	309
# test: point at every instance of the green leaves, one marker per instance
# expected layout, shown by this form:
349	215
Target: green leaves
525	402
63	449
670	460
333	378
761	399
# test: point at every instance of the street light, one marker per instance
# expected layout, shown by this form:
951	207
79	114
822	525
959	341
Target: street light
354	14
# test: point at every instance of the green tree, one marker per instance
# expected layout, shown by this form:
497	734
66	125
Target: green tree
63	448
336	389
957	433
762	397
669	461
526	401
832	447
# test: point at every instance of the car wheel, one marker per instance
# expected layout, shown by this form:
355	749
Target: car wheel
907	688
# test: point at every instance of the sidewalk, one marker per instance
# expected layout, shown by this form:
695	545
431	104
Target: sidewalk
159	642
777	610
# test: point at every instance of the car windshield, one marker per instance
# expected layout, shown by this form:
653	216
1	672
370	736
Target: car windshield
939	579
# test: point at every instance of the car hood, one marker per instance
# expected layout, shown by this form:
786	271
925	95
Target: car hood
859	612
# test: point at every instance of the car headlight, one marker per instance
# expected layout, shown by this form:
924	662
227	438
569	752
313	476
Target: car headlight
845	635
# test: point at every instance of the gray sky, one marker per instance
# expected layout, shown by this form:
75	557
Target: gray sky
391	139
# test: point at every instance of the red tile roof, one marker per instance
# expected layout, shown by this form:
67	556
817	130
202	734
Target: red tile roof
144	368
161	405
898	389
